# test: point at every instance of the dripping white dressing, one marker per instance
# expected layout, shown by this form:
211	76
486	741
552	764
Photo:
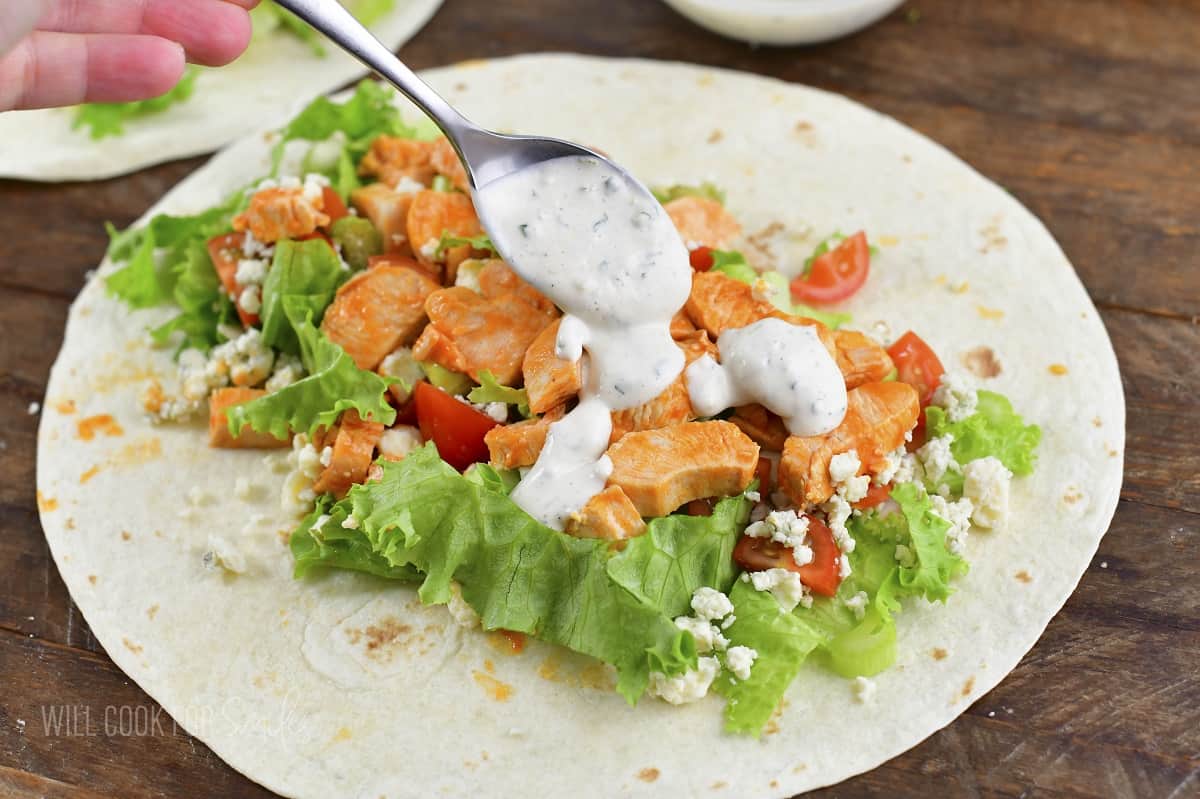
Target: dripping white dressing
600	246
780	365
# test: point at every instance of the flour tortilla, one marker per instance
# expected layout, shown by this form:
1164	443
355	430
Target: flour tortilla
345	686
277	76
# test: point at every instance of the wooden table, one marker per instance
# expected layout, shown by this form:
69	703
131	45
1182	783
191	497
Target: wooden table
1087	110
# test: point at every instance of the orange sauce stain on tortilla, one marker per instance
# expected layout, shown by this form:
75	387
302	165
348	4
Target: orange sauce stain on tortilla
648	774
887	241
548	669
92	579
89	474
989	313
596	676
499	691
46	504
968	686
131	646
1097	422
126	535
88	427
146	449
506	642
1058	369
1023	576
940	654
64	406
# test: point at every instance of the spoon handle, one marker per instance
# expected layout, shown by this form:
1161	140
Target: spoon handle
332	19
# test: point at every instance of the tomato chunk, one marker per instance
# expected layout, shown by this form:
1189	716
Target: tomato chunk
701	259
822	575
455	428
876	495
335	208
837	274
918	365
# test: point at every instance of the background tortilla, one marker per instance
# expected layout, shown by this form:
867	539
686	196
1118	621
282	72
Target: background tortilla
345	686
276	77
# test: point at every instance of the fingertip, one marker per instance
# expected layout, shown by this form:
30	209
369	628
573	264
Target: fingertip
125	68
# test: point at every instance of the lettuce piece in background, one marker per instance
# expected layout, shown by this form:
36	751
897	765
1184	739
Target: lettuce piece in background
994	429
709	191
490	390
334	384
108	119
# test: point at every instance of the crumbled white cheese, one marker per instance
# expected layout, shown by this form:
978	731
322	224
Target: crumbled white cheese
910	470
314	187
253	248
784	585
958	514
690	686
857	604
197	496
864	690
937	459
288	369
250	272
244	361
788	528
407	185
753	496
223	555
468	274
462	613
956	393
986	484
844	569
250	300
837	511
498	411
401	365
707	636
428	250
396	442
246	489
350	522
711	604
892	464
297	496
843	466
730	619
739	659
326	456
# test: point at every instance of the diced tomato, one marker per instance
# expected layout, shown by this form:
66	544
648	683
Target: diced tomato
699	507
701	259
876	495
918	365
225	252
407	413
516	640
335	208
454	427
763	473
822	575
835	275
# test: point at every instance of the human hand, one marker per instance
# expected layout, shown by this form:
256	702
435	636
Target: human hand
65	52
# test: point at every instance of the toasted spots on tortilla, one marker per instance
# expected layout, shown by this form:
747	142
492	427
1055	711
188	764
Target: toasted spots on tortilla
960	288
70	523
968	686
715	136
989	313
800	768
718	785
1057	369
131	646
940	280
1097	422
103	423
92	579
151	612
64	406
140	451
1024	576
993	239
382	640
89	474
495	689
46	504
648	774
940	654
773	783
548	669
982	362
343	734
1072	495
126	535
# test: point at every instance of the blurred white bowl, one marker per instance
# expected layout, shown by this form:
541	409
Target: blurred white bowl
782	22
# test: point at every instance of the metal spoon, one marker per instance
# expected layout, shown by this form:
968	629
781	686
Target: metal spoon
487	156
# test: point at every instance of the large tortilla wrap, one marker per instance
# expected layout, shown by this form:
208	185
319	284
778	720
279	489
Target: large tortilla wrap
275	77
345	686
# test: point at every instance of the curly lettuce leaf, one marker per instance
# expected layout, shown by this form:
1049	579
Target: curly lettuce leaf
994	429
333	385
304	276
332	546
480	242
108	119
204	306
775	285
490	390
709	191
517	573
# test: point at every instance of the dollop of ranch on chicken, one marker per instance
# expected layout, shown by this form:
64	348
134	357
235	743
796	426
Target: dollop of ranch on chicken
597	243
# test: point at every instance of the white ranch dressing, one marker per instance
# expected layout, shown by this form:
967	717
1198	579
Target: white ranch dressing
777	364
600	246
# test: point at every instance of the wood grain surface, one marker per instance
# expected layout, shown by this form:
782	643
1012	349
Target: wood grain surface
1087	110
